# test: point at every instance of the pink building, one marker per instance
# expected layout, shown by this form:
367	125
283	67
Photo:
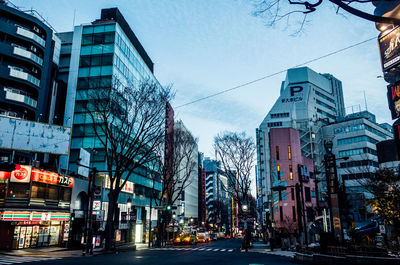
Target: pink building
292	181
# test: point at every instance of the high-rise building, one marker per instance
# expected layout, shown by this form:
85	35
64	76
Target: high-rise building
94	56
307	101
354	138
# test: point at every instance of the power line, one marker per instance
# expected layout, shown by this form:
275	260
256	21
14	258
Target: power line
276	73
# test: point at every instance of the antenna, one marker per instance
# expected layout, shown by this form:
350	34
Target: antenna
73	20
365	101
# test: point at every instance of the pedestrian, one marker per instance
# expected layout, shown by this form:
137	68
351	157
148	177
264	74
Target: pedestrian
245	244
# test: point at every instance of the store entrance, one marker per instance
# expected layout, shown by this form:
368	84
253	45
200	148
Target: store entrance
36	235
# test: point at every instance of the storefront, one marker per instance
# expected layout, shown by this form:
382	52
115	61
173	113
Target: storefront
35	229
34	208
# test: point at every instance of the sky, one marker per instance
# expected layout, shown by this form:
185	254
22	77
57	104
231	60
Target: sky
203	47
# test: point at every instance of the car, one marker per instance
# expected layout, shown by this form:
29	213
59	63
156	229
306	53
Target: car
203	237
185	239
227	237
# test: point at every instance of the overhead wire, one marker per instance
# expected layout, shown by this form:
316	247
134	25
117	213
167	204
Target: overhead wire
274	74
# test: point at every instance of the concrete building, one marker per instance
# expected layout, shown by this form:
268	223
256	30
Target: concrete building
354	139
294	199
307	101
188	204
95	55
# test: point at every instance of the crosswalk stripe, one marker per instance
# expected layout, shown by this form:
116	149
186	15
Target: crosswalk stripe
223	249
208	249
230	250
216	249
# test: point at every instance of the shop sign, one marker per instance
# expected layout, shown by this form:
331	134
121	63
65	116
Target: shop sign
124	217
96	205
34	216
21	174
393	95
128	187
66	231
29	223
5	175
389	47
118	235
100	216
79	213
51	178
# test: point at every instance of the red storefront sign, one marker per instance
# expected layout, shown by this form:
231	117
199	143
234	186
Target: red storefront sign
5	175
51	178
21	174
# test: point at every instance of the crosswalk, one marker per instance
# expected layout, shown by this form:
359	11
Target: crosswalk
7	259
194	249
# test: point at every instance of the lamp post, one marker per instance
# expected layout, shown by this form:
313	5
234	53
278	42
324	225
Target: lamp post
129	205
245	209
173	225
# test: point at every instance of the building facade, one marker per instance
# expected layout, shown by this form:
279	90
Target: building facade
307	102
354	139
294	199
93	56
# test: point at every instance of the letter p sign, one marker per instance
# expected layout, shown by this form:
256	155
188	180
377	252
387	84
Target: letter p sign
295	89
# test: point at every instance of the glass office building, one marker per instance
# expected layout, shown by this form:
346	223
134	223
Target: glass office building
95	56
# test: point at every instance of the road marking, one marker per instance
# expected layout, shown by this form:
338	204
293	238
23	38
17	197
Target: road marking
208	249
230	250
216	249
223	249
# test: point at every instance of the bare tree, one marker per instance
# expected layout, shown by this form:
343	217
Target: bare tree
177	167
237	154
274	11
128	122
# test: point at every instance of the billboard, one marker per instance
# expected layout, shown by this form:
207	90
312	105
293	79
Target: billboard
389	47
393	95
32	136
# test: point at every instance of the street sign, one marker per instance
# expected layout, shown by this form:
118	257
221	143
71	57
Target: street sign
382	229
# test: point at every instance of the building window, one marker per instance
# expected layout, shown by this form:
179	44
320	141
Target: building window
18	190
291	171
277	152
362	138
65	194
307	192
281	213
294	213
38	190
278	168
274	124
280	115
3	190
292	191
52	192
289	152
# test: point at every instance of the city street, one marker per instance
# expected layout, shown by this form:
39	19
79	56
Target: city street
219	252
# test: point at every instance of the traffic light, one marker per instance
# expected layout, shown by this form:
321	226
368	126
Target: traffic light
168	208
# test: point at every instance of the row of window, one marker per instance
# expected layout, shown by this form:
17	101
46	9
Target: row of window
359	163
274	124
356	176
99	38
94	82
357	151
37	191
20	96
310	214
324	96
357	139
289	152
326	114
357	127
132	55
96	60
326	105
280	115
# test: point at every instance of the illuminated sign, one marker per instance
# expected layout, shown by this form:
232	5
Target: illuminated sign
96	205
51	178
128	187
21	174
389	47
33	216
393	95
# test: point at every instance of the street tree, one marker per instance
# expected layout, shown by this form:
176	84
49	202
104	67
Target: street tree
128	122
384	185
274	11
177	161
237	154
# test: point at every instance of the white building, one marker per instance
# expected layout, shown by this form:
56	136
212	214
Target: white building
188	203
307	101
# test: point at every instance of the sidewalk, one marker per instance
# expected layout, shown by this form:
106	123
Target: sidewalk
260	247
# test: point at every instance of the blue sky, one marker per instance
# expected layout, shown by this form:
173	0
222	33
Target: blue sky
202	47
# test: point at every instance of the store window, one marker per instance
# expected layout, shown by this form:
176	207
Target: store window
65	194
38	190
3	190
52	192
18	190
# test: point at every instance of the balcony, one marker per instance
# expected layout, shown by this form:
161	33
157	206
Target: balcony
27	54
30	35
20	74
20	96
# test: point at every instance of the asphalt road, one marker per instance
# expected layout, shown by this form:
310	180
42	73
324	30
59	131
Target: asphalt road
219	252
